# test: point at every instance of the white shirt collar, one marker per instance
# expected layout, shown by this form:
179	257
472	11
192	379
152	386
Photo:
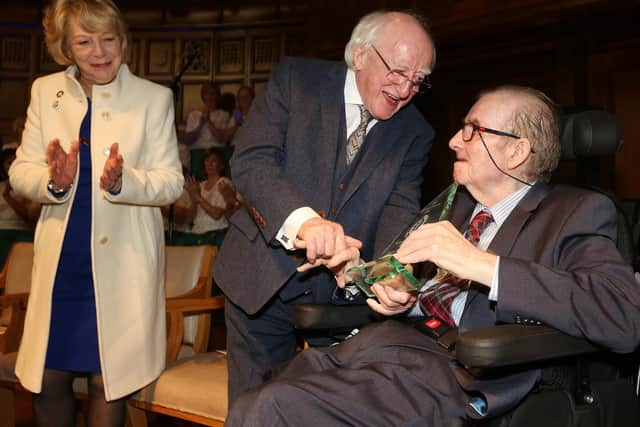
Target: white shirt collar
351	94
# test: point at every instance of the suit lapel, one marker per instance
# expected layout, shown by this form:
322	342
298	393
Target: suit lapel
462	208
331	94
510	230
508	233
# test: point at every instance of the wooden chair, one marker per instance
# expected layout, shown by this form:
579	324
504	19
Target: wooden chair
193	387
15	280
188	284
187	278
188	275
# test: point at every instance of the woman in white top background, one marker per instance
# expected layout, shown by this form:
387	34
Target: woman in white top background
208	127
213	201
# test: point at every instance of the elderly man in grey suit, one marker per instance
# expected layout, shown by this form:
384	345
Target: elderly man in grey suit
547	253
331	156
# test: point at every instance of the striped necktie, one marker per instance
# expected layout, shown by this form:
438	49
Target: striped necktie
357	137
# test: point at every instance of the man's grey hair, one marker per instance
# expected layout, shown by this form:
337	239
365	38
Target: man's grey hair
367	30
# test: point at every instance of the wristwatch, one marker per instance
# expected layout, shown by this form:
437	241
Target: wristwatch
56	191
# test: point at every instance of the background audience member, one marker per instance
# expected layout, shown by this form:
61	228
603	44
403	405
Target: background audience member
96	306
210	126
244	99
531	252
312	190
214	200
17	214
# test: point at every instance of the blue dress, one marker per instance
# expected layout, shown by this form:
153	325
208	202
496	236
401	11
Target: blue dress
73	337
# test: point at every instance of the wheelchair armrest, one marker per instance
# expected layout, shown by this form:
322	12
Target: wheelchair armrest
329	316
507	345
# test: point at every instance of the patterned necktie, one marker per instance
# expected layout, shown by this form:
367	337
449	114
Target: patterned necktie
357	137
437	299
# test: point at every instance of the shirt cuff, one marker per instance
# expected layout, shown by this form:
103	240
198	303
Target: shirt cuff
493	292
289	230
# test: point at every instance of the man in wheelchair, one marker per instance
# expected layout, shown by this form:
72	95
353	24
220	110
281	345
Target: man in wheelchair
542	254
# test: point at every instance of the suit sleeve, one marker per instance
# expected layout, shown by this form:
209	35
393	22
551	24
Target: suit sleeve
588	292
259	161
162	182
403	204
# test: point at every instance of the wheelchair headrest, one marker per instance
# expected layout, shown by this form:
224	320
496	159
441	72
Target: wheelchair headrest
589	134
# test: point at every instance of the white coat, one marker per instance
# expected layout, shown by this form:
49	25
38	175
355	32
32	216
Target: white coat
127	241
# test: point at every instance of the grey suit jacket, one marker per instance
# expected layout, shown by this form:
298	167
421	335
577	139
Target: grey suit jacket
290	153
558	265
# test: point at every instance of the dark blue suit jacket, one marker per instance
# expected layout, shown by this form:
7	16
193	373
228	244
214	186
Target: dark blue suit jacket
290	153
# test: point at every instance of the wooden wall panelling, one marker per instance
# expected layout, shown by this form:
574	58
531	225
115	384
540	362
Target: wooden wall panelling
46	63
230	56
16	90
267	49
190	99
265	52
15	52
231	65
133	55
160	57
614	86
16	58
197	51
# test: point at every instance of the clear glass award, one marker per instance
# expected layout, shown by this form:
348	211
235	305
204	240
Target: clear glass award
387	270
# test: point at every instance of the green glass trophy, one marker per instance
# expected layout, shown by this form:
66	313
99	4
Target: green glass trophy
387	270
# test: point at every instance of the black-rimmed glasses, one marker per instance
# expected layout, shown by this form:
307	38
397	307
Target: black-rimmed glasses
399	77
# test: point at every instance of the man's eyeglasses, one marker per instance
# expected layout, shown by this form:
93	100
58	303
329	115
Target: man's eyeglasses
469	128
467	134
399	77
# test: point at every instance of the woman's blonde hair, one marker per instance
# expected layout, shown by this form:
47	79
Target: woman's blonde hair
92	15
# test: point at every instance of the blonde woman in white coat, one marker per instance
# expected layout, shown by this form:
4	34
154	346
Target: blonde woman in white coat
99	151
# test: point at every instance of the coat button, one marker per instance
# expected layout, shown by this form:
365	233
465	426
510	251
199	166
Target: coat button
103	240
106	115
341	186
105	95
